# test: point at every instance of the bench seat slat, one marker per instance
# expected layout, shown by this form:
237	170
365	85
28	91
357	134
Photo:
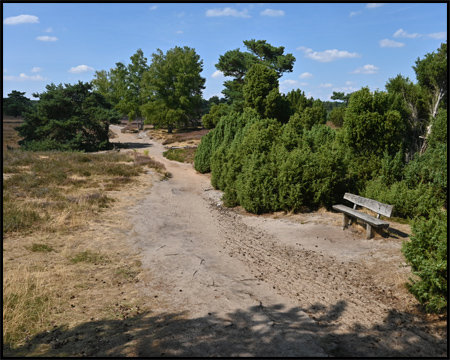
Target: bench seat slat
363	216
370	204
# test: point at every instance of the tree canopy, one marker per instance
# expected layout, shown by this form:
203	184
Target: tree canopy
432	74
173	88
236	64
122	85
16	103
69	117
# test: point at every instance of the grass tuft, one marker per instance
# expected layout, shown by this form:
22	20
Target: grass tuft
89	257
41	248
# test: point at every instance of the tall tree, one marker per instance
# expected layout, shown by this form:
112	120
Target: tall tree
70	117
122	85
16	103
431	73
415	100
173	87
341	96
236	64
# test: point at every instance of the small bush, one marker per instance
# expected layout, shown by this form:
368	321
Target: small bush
427	254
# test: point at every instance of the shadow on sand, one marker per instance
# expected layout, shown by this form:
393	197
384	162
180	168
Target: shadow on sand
242	333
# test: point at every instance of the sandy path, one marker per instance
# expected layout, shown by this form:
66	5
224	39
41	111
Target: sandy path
233	284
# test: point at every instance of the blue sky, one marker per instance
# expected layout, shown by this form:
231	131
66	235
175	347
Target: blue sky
337	46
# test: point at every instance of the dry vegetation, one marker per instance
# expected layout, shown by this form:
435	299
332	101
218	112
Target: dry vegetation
54	205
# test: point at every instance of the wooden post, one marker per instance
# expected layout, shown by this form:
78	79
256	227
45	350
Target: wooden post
369	231
344	221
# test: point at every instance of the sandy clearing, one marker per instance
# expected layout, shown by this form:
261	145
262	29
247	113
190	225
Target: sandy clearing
246	285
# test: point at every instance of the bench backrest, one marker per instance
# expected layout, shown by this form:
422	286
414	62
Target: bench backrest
370	204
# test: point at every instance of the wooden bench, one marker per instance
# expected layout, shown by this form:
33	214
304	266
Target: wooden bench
379	208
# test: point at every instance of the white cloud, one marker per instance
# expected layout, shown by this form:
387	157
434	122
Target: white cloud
328	55
21	19
80	69
36	69
306	75
46	38
326	85
179	32
390	43
374	5
303	84
345	89
217	74
227	12
271	12
404	34
24	77
366	69
289	82
49	30
349	83
353	13
439	35
154	7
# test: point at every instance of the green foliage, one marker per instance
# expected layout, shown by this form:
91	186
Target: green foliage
173	87
69	118
341	96
211	119
15	104
298	101
313	115
224	132
123	85
236	64
432	75
427	254
411	100
337	116
439	134
371	124
257	190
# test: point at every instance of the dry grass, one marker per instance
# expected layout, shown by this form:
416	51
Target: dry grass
181	155
65	256
185	135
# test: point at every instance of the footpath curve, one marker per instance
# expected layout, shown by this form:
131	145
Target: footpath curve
233	284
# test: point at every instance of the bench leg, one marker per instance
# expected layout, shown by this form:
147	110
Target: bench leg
369	231
344	221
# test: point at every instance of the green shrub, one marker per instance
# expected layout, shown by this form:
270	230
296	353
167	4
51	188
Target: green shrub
224	133
257	190
337	116
211	119
427	254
